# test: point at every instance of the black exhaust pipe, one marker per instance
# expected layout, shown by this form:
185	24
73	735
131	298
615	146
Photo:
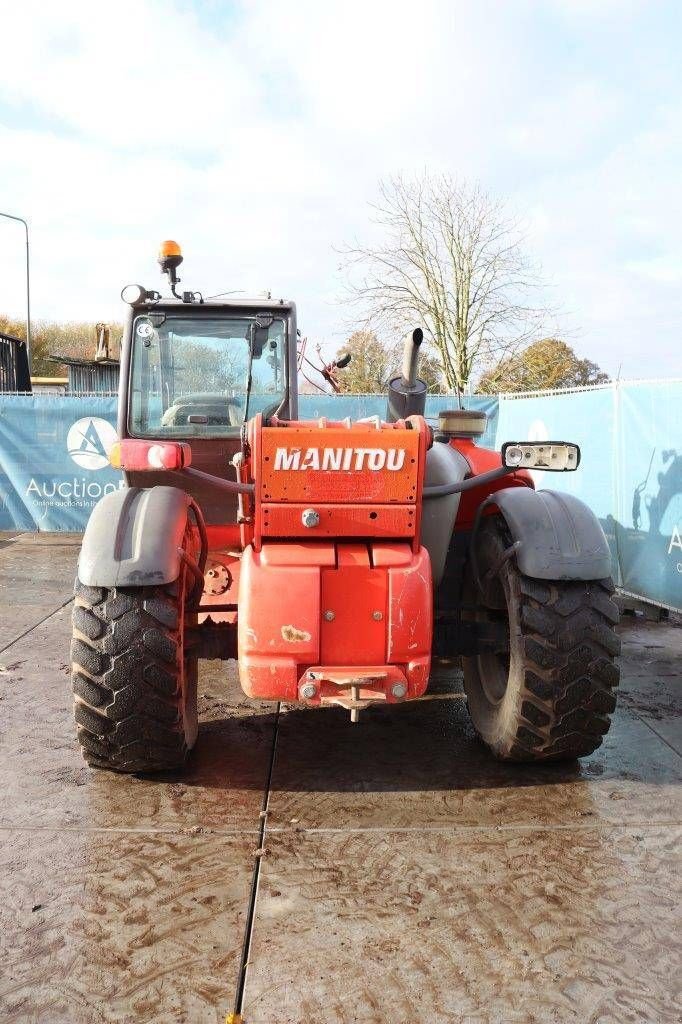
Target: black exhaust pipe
407	393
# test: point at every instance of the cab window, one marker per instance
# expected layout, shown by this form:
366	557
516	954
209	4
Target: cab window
202	376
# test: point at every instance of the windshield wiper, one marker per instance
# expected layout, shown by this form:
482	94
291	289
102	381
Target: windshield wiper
258	337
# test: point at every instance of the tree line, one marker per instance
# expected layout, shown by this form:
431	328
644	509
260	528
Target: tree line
75	339
546	364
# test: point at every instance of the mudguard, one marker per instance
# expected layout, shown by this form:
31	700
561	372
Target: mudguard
559	537
132	538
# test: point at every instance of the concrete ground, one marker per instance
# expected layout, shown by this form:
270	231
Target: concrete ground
405	876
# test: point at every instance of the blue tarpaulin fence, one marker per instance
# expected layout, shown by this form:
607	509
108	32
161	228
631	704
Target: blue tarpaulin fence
53	464
53	451
630	435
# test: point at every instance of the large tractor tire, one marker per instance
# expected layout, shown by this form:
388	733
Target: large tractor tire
134	686
549	696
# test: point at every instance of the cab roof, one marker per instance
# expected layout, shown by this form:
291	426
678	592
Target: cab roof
272	305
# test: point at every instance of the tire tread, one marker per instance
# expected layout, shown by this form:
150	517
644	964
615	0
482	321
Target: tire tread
562	672
126	677
568	683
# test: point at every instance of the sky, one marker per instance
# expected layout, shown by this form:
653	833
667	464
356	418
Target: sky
255	134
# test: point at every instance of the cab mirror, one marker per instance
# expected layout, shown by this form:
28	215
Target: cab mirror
258	339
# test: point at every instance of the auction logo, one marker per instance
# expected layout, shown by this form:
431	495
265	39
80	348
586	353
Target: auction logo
89	442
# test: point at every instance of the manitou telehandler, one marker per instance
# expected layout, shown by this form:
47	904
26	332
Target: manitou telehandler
333	560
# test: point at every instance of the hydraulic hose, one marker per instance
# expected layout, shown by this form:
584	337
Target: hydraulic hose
233	486
457	486
437	491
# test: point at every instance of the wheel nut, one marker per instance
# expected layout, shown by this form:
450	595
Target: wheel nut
308	690
399	690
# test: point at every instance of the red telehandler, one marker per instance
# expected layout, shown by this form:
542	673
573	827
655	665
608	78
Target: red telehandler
333	560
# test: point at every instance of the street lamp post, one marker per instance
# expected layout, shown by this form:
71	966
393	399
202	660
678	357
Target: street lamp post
11	216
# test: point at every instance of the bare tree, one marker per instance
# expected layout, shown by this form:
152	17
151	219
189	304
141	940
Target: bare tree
452	261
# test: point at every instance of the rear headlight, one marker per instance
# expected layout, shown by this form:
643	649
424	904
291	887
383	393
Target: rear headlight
133	294
143	456
556	456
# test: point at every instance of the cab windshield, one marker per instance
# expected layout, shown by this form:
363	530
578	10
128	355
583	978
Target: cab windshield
202	376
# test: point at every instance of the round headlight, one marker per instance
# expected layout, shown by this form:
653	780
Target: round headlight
513	456
133	293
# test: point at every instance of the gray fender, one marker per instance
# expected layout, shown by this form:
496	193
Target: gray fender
132	538
559	537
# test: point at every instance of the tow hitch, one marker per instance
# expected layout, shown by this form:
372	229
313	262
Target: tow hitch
352	689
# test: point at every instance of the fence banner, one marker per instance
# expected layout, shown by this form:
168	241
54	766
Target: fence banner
53	460
53	451
648	521
630	435
54	469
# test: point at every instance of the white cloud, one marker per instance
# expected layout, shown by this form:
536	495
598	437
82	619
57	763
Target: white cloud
255	135
666	269
614	250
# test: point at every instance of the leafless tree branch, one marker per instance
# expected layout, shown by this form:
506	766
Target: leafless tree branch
453	260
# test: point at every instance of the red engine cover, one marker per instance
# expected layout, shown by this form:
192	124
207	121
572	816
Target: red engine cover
337	614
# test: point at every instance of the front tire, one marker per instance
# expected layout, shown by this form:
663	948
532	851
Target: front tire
549	697
135	689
